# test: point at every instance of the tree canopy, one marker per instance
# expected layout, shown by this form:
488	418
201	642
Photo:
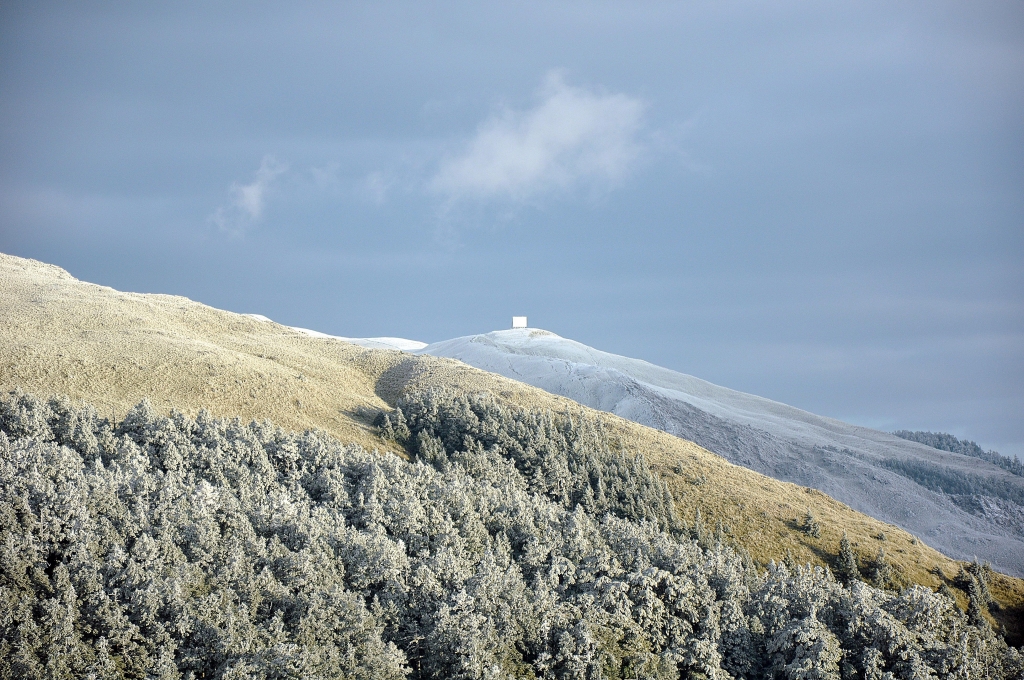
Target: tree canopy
178	547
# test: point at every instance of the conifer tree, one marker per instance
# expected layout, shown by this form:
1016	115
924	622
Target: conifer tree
976	605
699	531
846	565
790	561
401	428
810	525
881	570
979	575
387	430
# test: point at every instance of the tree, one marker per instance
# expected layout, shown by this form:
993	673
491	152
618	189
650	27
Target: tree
806	649
699	532
881	570
179	547
978	577
790	561
387	430
401	428
846	564
810	525
976	606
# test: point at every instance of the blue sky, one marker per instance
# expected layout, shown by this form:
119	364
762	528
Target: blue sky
820	203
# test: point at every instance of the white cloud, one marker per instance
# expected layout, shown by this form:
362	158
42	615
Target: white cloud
571	137
248	200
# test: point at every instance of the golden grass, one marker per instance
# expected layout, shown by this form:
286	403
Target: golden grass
61	335
114	349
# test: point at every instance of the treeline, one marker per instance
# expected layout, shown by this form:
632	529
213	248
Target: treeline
567	459
939	478
947	442
173	547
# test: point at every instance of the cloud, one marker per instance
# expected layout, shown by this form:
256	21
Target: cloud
248	200
571	137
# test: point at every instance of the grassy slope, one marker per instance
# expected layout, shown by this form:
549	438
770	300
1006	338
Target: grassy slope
60	335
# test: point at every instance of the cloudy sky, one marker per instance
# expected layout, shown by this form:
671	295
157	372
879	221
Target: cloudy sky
820	203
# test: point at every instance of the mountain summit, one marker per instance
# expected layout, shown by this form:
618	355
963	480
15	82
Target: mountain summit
964	506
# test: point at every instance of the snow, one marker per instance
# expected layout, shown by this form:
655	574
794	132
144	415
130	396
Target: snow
313	334
387	343
372	343
781	441
840	459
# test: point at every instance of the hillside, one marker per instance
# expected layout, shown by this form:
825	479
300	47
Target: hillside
517	545
113	349
964	506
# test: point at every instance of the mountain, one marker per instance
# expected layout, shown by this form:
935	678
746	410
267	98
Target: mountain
962	505
370	343
112	349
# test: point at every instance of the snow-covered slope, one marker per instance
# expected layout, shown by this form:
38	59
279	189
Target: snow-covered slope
850	463
372	343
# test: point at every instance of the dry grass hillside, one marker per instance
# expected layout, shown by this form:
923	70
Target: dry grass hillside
61	335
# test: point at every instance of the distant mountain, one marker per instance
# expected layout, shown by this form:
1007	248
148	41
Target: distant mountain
947	442
962	505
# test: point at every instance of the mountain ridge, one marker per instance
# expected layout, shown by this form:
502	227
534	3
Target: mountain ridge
114	349
865	468
854	464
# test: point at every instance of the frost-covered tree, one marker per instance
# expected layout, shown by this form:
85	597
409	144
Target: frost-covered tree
976	605
810	525
881	570
846	563
173	547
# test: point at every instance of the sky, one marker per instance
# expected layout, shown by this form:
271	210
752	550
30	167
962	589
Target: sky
819	203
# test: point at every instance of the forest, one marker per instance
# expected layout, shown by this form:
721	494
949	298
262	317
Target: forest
510	544
947	442
939	478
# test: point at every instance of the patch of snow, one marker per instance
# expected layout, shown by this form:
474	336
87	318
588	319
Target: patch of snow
372	343
787	443
387	343
314	334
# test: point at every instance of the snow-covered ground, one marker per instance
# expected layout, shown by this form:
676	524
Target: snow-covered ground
373	343
842	460
781	441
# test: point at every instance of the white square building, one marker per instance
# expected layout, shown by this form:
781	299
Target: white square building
518	322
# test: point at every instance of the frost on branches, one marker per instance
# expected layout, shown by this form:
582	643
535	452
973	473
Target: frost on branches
514	545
